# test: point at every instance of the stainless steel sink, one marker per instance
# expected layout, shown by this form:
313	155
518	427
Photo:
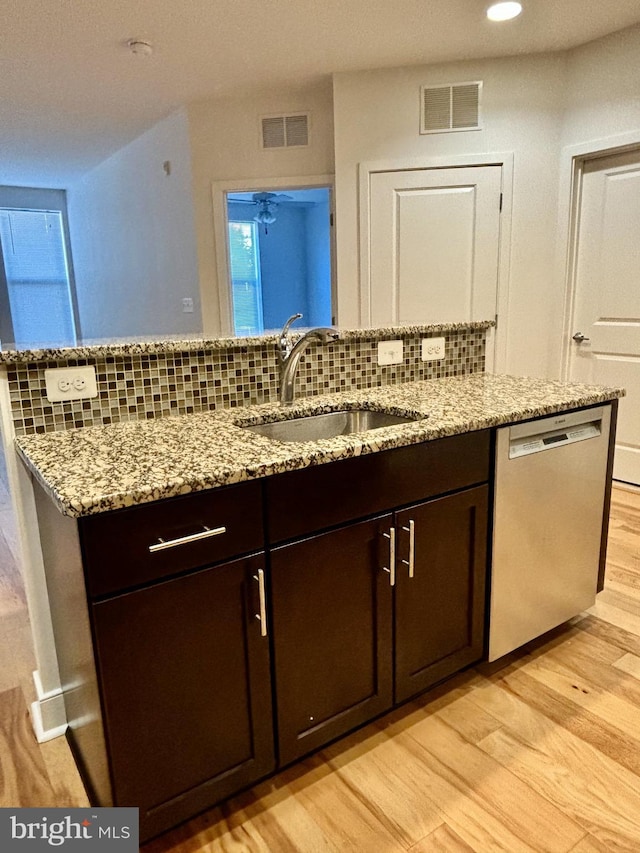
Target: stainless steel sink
329	425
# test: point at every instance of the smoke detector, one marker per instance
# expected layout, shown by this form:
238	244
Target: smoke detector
139	47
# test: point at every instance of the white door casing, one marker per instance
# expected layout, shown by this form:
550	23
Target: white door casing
606	303
430	244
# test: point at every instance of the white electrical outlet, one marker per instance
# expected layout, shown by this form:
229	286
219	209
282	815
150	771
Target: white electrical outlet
70	383
390	352
187	305
432	348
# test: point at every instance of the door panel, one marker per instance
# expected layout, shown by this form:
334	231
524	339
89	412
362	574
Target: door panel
332	634
434	238
187	694
607	296
447	254
440	610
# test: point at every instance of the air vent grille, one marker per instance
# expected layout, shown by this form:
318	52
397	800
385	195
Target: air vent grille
450	108
297	130
285	131
273	132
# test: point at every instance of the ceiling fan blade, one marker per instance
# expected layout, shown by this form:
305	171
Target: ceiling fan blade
261	198
270	198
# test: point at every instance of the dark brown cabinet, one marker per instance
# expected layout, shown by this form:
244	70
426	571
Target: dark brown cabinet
351	638
440	589
181	625
161	627
186	687
332	635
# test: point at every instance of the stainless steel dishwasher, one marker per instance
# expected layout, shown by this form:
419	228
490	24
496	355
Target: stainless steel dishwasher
549	501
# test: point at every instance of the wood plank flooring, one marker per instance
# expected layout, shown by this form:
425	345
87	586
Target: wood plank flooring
539	754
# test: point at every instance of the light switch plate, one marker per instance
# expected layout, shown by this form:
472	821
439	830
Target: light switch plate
70	383
432	349
390	352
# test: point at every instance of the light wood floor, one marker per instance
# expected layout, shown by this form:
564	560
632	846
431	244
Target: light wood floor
540	755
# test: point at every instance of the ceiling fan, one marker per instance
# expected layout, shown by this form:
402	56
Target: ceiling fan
267	204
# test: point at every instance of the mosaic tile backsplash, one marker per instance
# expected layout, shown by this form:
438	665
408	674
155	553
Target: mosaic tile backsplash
153	385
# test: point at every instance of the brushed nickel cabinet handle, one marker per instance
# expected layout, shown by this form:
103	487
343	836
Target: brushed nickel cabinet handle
411	530
391	536
161	545
262	616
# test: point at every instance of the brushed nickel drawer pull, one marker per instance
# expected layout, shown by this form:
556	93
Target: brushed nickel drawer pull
411	530
262	616
391	536
207	533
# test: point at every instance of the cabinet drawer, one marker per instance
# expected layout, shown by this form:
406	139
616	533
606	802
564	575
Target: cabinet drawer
301	502
121	548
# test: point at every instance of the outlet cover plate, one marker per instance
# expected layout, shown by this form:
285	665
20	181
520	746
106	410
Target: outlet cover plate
70	383
432	348
390	352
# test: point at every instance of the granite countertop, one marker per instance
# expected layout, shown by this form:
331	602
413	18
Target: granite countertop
96	469
120	348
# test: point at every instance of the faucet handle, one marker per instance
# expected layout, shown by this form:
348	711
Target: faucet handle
285	346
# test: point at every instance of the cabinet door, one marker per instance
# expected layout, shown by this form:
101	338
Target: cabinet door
185	680
332	634
439	625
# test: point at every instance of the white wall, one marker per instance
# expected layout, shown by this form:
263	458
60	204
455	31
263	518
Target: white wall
225	145
136	248
377	118
603	88
533	106
133	238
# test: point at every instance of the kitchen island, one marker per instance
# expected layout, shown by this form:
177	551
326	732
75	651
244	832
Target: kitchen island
224	603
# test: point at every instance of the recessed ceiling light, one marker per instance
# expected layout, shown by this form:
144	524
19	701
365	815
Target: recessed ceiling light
504	11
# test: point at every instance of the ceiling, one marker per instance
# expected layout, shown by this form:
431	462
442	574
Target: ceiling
71	93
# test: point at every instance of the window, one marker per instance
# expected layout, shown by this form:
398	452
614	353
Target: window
246	285
37	277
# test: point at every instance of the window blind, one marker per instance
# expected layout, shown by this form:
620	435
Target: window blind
35	263
246	286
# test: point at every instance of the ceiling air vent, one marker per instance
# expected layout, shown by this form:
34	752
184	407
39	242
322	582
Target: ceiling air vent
451	107
288	131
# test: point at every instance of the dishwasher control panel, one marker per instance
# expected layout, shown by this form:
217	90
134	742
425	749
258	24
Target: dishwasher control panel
525	445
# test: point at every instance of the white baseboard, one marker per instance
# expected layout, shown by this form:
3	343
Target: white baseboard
626	487
48	715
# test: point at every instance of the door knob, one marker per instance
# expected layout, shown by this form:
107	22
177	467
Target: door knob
579	338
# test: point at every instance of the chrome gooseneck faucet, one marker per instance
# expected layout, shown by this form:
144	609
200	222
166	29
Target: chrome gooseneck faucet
289	354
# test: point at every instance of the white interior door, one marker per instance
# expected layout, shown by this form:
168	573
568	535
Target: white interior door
607	294
434	245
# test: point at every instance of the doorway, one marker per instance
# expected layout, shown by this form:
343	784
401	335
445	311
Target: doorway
275	253
279	258
605	316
